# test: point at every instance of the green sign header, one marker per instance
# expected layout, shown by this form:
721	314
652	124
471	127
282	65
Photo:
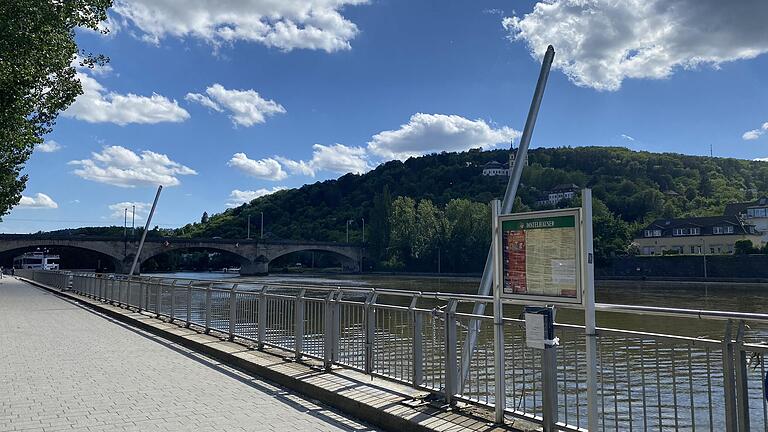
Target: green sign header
539	223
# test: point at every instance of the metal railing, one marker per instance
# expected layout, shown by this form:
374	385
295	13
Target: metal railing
646	381
55	279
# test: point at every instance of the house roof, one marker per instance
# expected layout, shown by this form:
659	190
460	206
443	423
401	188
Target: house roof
734	209
493	165
704	223
565	187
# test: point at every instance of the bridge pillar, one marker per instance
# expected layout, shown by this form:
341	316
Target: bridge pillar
257	267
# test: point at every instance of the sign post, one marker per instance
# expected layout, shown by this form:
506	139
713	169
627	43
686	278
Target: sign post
498	319
590	324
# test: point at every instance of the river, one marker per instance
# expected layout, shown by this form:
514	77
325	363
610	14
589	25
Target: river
635	371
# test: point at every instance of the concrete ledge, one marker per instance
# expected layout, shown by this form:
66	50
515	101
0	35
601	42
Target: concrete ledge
383	403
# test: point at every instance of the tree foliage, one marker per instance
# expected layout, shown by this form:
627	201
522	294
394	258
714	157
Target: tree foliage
629	188
37	78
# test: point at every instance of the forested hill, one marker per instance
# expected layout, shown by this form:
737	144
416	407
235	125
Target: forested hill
630	188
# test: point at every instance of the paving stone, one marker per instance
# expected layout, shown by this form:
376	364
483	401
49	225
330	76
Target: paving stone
64	367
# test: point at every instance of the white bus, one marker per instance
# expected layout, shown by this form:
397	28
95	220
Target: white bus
36	261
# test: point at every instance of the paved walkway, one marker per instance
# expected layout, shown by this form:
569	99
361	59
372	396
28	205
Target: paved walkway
63	367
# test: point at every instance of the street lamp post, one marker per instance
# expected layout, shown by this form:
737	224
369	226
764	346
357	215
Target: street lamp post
363	230
349	221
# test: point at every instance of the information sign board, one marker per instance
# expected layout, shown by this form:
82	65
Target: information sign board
540	256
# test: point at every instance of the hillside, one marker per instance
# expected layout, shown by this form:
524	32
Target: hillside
629	187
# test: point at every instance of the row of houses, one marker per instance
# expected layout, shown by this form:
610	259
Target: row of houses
707	235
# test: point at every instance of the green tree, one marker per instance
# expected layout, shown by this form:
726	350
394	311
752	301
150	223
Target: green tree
403	226
379	227
204	218
744	247
37	78
430	228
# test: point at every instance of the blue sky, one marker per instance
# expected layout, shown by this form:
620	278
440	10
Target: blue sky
225	105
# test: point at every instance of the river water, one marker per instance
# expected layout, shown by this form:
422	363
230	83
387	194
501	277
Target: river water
710	296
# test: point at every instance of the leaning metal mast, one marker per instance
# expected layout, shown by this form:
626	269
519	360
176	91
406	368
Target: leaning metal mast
506	207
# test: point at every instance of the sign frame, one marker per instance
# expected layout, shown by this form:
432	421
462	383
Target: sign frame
580	263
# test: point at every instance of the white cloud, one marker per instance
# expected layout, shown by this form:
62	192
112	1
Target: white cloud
119	166
246	107
283	24
755	133
49	146
97	105
239	197
751	134
336	158
431	133
627	137
267	169
118	210
600	43
39	201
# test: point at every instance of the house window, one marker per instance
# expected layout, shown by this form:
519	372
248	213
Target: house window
757	212
729	229
695	231
717	230
649	250
678	231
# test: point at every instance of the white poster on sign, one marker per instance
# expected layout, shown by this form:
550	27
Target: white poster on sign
534	331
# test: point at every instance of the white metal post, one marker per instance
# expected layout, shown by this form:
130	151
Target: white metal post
498	317
590	325
146	228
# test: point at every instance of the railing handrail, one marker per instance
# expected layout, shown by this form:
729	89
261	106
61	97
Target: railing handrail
436	295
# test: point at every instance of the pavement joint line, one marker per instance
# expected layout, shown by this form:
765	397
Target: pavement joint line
421	418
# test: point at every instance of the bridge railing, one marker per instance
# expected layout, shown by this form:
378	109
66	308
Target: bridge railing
646	380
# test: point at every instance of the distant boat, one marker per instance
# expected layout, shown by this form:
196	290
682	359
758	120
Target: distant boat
36	261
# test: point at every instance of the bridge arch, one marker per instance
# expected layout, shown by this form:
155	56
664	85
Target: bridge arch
104	261
350	257
160	250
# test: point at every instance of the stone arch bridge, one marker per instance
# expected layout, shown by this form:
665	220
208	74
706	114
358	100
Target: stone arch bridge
255	255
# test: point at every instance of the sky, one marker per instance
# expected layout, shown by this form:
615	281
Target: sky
222	102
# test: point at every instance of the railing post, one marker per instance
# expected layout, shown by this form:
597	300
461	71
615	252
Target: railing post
298	317
451	364
189	305
370	330
208	298
142	295
417	324
262	317
331	329
172	313
742	380
232	311
729	383
549	387
159	300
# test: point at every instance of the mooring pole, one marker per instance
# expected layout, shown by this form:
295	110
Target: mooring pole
146	228
506	207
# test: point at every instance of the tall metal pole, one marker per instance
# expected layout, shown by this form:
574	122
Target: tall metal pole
262	225
498	319
506	206
248	236
146	228
348	231
363	230
590	325
133	222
